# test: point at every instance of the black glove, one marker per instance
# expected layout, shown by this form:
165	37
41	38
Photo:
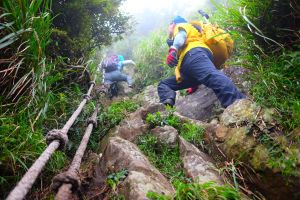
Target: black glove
170	42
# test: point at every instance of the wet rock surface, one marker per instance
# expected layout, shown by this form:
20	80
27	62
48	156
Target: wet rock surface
131	127
230	136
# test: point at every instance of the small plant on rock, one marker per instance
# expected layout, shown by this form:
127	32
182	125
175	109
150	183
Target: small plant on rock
159	119
192	133
114	179
194	191
162	156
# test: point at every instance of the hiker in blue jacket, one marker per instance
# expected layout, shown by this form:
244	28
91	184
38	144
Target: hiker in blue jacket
112	67
193	61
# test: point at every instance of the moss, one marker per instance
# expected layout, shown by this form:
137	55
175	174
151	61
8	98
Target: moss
260	157
238	144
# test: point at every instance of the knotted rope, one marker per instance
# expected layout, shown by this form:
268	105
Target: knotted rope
56	139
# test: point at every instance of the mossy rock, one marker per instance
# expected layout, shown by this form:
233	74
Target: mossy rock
260	157
238	144
241	112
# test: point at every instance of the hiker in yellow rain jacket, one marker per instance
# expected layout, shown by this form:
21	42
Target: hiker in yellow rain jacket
193	61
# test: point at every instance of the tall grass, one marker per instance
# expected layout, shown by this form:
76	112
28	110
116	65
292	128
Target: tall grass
150	58
26	33
268	46
30	106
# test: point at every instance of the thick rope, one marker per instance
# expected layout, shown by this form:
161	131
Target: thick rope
31	175
55	138
64	191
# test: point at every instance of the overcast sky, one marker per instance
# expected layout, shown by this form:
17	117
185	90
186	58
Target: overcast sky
151	14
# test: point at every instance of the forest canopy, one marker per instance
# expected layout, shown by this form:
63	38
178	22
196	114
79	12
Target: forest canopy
82	25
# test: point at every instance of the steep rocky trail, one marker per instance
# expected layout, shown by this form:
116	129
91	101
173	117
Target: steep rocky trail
230	152
119	152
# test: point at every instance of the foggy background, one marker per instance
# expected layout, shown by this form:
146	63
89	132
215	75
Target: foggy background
152	14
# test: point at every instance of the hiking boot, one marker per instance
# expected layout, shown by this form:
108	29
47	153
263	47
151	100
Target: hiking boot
169	102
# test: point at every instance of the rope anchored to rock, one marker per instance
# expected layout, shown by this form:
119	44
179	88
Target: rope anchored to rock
56	139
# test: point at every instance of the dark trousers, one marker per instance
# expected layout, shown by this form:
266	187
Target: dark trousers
196	69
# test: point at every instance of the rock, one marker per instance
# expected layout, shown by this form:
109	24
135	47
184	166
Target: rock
238	75
214	121
185	119
149	95
151	108
166	134
221	133
122	154
123	89
200	105
197	165
203	104
137	185
241	112
238	143
131	127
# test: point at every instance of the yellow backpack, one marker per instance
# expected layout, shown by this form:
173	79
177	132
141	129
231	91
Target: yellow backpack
218	40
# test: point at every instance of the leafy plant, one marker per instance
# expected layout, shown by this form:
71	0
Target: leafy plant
113	179
162	156
110	117
195	191
192	133
168	118
150	58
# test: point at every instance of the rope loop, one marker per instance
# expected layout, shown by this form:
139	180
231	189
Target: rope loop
87	97
57	134
92	83
92	121
66	178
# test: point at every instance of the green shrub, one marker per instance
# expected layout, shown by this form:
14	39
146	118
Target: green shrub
192	133
195	191
168	118
150	58
264	33
162	156
110	117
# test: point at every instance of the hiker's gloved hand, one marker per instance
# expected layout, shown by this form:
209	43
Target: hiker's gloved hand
172	60
191	90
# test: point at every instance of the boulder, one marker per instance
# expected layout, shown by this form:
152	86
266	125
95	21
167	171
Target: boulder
241	112
166	134
150	95
137	185
122	154
123	89
197	165
131	127
201	105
